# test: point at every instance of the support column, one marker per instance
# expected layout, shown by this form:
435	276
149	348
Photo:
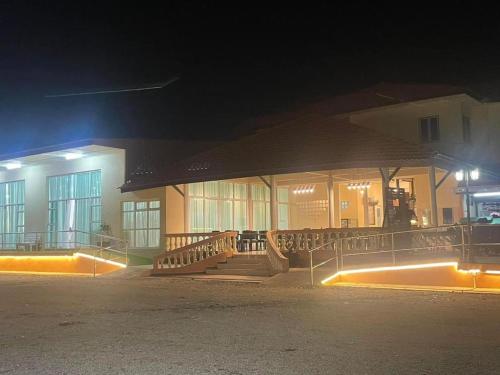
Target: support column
384	174
432	189
331	202
366	219
274	202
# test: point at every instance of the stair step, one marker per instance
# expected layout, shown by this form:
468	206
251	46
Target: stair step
247	259
239	272
248	266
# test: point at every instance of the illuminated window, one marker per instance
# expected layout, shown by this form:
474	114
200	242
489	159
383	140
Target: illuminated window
429	129
217	206
74	208
11	213
141	223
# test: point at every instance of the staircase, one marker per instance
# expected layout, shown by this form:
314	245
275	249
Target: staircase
242	265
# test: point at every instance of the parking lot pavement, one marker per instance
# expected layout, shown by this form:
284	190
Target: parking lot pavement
76	325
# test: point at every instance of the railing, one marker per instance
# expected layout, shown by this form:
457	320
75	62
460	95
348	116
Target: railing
94	244
455	240
279	263
215	244
177	240
307	239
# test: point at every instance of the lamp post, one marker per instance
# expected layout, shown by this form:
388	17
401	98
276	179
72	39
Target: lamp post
467	175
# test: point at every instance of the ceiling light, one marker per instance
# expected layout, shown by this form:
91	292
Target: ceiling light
72	155
459	175
13	165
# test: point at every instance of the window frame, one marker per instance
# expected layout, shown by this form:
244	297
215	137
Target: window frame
427	136
148	209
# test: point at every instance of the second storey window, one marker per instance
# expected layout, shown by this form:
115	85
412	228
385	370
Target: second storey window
429	129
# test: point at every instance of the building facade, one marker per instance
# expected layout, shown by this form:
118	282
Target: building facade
317	170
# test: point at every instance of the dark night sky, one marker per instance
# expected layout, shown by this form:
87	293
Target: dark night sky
234	62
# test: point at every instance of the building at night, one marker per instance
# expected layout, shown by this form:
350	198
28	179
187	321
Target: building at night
328	165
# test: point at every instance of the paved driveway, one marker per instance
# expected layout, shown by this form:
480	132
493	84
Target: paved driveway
70	325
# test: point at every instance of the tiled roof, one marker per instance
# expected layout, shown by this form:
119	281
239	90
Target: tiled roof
379	95
310	143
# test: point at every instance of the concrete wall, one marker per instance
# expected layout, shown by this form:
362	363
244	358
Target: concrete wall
111	165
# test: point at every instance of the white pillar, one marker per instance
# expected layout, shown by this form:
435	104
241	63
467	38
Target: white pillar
274	202
432	189
384	172
366	219
331	202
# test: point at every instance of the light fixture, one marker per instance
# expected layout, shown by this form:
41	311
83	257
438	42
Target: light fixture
459	175
13	165
487	194
358	185
391	268
72	155
474	174
304	189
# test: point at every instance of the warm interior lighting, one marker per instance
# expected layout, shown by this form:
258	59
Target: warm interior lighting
492	272
72	155
359	185
390	268
13	165
488	194
304	189
459	175
474	174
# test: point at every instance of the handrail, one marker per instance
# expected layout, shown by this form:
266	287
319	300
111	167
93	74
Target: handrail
177	240
279	263
385	243
196	252
40	240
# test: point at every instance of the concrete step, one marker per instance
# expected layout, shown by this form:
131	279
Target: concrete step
238	265
238	271
247	259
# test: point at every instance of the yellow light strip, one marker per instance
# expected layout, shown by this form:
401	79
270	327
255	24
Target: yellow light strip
51	257
473	271
83	255
391	268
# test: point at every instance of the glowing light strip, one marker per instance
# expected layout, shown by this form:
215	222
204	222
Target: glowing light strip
474	271
391	268
488	194
51	257
100	260
492	272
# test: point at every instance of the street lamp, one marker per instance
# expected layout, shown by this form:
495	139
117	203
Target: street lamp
467	175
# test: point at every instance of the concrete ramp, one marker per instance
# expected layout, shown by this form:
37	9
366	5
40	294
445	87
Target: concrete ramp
443	275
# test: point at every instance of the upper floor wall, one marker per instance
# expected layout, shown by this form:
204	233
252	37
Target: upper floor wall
403	121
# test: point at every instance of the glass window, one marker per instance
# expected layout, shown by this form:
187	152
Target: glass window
283	208
429	129
217	206
74	208
141	223
447	216
261	207
11	213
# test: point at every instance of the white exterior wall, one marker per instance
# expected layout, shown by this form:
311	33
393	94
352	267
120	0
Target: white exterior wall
111	165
